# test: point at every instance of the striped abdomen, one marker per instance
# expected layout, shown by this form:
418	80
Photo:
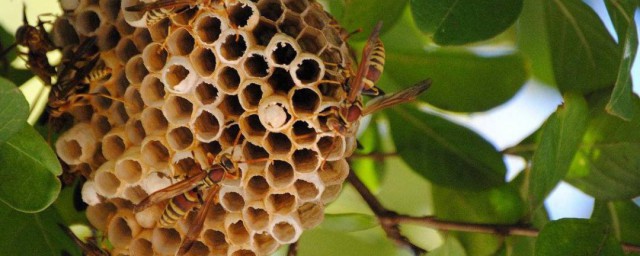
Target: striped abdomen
156	15
179	206
97	74
375	66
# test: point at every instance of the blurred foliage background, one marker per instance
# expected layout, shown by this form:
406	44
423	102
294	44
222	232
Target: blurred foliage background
526	95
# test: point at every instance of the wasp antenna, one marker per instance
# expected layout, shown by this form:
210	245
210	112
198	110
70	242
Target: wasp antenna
24	13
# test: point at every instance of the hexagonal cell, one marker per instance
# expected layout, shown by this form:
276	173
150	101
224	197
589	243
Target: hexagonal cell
183	166
281	80
135	131
160	30
165	240
312	40
141	38
333	37
207	125
280	174
154	152
242	15
126	49
184	17
63	33
180	42
142	247
198	248
252	129
238	233
120	232
311	215
257	187
285	231
134	101
87	22
228	79
216	217
271	9
307	69
152	91
231	107
102	103
107	183
208	28
232	201
154	121
296	5
307	191
331	148
177	77
123	26
330	193
118	114
256	65
256	155
278	144
305	160
207	93
113	144
135	70
180	138
303	133
334	172
100	125
330	91
281	203
315	18
108	38
283	52
257	218
250	95
128	170
203	149
110	9
229	135
216	241
204	61
305	102
233	47
264	243
154	57
178	110
291	24
264	31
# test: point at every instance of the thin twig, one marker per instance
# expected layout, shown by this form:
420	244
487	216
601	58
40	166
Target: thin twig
384	215
293	249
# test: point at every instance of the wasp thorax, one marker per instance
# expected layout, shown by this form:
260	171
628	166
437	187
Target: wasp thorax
235	96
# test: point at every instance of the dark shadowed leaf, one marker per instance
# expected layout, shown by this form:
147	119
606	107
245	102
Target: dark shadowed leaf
28	170
348	222
607	164
445	153
462	81
577	237
621	13
622	216
584	55
33	233
455	22
14	110
560	138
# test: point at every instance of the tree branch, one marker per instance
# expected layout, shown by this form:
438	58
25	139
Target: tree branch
293	249
385	216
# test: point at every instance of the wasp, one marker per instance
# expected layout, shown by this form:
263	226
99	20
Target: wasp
158	10
38	43
89	248
186	195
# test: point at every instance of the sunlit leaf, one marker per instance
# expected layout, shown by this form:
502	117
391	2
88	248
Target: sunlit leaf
28	170
462	81
348	222
607	164
622	216
451	246
33	233
14	110
559	140
533	41
584	55
621	12
322	242
576	237
445	153
455	22
501	205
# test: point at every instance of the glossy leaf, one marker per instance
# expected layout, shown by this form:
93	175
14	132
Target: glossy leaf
533	41
576	237
559	140
607	164
348	222
14	110
451	246
621	13
33	233
365	14
455	22
622	216
501	205
446	154
584	55
28	170
462	81
322	242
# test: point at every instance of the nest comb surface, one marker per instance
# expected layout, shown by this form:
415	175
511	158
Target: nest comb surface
188	84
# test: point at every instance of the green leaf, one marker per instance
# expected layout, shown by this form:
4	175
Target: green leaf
462	81
28	170
348	222
445	153
584	55
369	169
365	14
607	164
451	246
533	42
33	233
322	242
559	140
621	13
501	205
576	237
455	22
622	216
14	110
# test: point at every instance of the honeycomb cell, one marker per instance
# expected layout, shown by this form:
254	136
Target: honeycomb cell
256	65
208	28
306	191
285	231
231	107
232	201
122	229
229	135
228	80
281	203
114	144
257	187
257	217
216	217
107	184
135	131
297	6
108	37
303	134
237	233
264	31
271	9
282	50
180	138
331	148
101	103
152	91
100	125
264	243
291	24
232	46
76	145
243	252
180	42
177	110
204	61
251	92
154	57
207	124
165	240
135	70
183	166
252	129
243	15
216	241
274	114
129	169
160	30
311	215
314	19
87	22
134	103
312	40
305	160
198	248
330	193
141	246
123	26
184	18
305	102
141	38
154	121
125	50
334	172
257	155
307	69
280	174
154	152
99	215
179	76
278	144
207	94
281	81
135	194
110	9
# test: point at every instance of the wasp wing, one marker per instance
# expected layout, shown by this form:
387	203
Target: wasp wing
198	223
358	81
389	100
145	7
170	191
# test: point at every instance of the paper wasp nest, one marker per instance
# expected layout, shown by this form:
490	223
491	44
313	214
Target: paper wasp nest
188	84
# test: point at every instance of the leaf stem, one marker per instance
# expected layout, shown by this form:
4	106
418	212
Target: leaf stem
293	249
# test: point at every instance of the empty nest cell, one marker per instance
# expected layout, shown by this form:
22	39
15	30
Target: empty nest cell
256	65
152	91
257	218
135	70
305	160
87	22
134	103
254	153
278	144
204	61
141	38
280	80
232	201
310	214
238	233
297	6
107	183
125	50
303	133
154	121
283	50
285	231
207	124
154	152
208	28
306	191
314	18
280	174
228	80
177	110
242	15
165	240
291	24
305	102
180	138
252	128
128	170
257	187
271	9
120	232
216	241
175	77
207	93
312	40
264	243
307	69
281	203
154	57
113	144
180	42
231	107
264	31
250	95
233	46
135	131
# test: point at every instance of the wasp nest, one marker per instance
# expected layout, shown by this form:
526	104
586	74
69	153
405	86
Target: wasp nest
186	85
